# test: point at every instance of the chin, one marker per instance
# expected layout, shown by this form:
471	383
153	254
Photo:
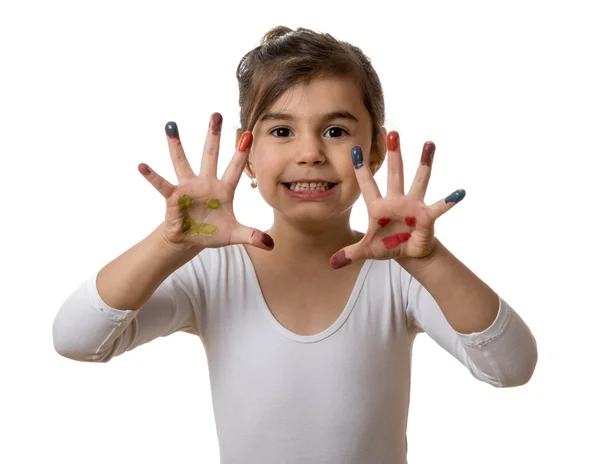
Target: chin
317	214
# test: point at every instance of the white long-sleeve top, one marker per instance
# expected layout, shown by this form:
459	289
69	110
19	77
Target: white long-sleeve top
340	396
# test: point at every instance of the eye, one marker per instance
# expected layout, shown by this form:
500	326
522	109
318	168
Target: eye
336	129
280	132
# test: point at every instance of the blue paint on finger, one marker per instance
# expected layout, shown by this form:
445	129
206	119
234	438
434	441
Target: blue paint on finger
357	157
455	197
171	129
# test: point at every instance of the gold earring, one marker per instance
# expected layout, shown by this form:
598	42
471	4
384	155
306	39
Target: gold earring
253	184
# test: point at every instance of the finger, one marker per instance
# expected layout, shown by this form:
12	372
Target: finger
234	170
210	155
441	206
395	183
365	178
346	256
183	170
421	180
242	234
164	187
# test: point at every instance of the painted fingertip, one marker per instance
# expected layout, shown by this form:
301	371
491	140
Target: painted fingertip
171	129
245	141
393	141
267	241
144	169
357	157
339	260
427	155
216	123
456	196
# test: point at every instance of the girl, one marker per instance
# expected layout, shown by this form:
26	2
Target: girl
308	327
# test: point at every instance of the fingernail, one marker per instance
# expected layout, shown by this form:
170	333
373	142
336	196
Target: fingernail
245	141
392	141
171	129
216	122
357	157
455	197
339	260
427	155
267	240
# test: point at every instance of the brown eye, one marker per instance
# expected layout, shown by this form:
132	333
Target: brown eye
336	130
280	132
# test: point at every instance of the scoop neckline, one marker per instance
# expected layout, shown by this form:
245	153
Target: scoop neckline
334	327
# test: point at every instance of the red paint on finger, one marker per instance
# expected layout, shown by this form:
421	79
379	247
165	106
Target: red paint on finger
394	240
245	141
392	141
384	221
411	221
339	260
427	155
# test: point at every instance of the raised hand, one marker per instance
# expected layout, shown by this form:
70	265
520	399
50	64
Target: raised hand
200	208
400	225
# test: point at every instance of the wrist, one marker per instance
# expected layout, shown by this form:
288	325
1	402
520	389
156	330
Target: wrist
172	251
416	265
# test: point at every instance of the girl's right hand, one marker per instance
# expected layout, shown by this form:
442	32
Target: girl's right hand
200	209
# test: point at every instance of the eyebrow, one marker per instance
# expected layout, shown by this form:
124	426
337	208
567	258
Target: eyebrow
340	114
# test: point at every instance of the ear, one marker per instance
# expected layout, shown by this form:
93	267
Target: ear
378	151
248	169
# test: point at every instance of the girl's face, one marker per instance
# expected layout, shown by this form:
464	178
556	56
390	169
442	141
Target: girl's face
307	135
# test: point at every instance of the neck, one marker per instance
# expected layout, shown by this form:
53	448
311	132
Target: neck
295	241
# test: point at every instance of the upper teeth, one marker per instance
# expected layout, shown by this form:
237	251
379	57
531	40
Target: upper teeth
310	185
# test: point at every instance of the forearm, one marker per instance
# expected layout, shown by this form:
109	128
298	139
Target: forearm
467	302
129	280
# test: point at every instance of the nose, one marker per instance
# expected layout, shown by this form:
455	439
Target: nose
310	150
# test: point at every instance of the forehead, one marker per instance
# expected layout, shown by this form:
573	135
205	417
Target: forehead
319	96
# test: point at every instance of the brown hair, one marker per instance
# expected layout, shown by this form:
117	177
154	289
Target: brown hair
285	58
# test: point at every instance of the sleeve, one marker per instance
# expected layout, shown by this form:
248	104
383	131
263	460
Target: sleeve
87	329
503	355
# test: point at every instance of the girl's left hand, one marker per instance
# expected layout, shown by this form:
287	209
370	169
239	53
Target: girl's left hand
400	225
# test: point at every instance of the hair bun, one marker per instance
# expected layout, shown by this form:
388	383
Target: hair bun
275	33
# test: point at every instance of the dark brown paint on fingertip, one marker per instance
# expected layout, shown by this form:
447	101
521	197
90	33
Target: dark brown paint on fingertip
144	169
216	123
339	260
427	155
267	241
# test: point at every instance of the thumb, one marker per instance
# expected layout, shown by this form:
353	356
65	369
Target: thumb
250	236
345	256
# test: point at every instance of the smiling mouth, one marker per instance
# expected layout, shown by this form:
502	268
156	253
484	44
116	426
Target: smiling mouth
306	187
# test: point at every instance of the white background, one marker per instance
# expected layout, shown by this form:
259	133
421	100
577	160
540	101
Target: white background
507	90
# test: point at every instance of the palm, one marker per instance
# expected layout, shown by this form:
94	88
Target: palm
400	225
200	208
406	216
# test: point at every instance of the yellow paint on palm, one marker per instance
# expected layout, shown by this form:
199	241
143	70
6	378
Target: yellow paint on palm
191	227
213	204
184	202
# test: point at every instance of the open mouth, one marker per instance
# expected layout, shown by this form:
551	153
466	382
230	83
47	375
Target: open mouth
308	187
